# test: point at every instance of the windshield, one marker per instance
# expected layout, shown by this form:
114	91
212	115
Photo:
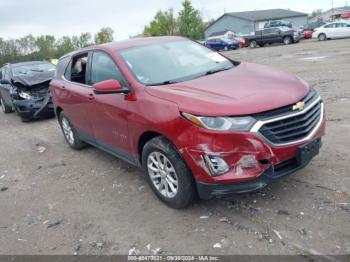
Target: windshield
172	62
32	68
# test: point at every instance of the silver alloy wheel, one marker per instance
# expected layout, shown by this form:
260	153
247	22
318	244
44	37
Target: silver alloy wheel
322	37
252	44
226	48
2	105
67	130
162	174
287	40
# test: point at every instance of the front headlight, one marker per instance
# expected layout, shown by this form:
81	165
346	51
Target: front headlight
24	95
222	123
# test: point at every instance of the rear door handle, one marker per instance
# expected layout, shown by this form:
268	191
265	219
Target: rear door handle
91	97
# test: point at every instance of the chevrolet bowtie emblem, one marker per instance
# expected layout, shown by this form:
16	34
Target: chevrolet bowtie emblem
299	106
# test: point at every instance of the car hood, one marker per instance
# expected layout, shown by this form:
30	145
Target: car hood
244	90
32	81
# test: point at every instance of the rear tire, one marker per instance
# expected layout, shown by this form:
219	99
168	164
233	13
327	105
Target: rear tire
252	44
69	132
5	108
167	173
322	37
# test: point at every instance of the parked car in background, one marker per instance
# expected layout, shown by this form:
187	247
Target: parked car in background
195	121
240	40
278	23
312	26
222	44
332	30
308	29
308	34
24	87
272	35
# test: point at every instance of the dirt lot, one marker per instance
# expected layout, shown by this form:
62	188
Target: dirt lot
54	200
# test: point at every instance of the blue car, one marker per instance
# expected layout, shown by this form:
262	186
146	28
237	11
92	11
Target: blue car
222	44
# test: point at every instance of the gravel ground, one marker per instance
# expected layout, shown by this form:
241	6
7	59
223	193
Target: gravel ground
54	200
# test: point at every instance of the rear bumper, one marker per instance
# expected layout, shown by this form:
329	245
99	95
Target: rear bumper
34	108
283	169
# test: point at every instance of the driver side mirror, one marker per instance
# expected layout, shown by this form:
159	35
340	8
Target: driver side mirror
109	87
5	82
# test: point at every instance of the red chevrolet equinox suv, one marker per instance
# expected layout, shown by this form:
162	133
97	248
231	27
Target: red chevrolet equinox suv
197	123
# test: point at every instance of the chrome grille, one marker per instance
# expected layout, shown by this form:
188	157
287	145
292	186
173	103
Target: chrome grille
292	127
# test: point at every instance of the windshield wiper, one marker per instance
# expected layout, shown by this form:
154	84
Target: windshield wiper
213	71
168	82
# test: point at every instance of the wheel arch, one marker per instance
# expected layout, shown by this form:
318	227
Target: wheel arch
143	139
58	111
147	136
322	33
287	36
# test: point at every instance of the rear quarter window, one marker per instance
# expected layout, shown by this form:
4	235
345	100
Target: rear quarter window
61	66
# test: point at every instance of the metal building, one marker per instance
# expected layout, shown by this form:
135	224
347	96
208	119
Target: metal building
250	21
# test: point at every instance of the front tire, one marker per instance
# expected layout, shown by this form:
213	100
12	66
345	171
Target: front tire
167	173
252	44
287	40
5	108
69	132
322	37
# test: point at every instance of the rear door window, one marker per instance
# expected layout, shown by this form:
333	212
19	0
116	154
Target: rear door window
60	66
76	69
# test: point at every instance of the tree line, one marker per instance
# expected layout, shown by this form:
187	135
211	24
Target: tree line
30	48
187	22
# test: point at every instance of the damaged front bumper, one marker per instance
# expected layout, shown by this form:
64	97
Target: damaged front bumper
253	162
34	108
270	175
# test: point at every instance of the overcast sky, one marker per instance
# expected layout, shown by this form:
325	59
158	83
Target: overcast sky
126	17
